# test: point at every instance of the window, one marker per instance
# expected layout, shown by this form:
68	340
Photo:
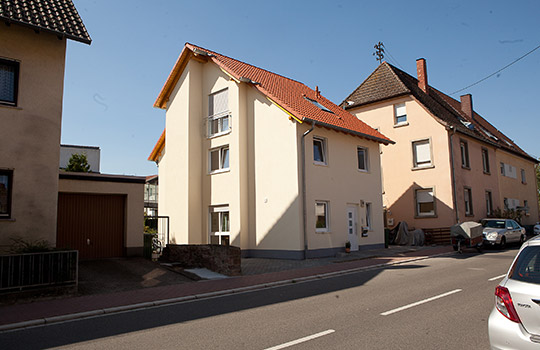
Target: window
464	154
219	117
319	105
506	206
219	159
362	158
6	185
321	217
485	160
508	170
503	172
368	216
489	203
421	154
468	202
523	179
9	82
219	225
425	202
319	150
400	114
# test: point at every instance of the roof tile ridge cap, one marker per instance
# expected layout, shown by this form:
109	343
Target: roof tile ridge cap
362	83
217	54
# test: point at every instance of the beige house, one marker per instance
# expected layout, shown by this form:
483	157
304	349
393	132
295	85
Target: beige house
260	161
449	164
32	59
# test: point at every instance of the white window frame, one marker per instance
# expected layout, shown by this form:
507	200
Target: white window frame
485	161
220	211
464	150
221	158
397	116
430	191
220	116
326	206
369	211
424	164
489	203
324	147
467	198
366	158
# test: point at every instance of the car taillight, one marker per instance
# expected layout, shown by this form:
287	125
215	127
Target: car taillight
504	304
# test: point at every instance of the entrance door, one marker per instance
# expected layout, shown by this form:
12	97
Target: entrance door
352	234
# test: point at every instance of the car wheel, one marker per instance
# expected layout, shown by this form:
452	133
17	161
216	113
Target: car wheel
502	245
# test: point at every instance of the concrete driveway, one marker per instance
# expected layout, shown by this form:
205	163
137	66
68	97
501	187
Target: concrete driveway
122	274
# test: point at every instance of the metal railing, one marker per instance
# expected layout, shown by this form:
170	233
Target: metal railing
20	271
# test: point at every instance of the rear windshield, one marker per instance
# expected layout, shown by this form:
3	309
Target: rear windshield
527	266
493	223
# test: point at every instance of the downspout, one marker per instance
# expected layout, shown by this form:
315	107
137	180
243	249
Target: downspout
454	193
304	209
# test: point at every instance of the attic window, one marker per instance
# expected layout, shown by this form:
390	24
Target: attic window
318	105
490	134
469	125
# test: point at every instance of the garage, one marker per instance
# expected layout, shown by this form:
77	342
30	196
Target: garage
100	215
91	223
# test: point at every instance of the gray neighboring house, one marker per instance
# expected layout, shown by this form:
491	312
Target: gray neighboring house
92	154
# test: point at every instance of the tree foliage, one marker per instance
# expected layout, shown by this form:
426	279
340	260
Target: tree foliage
78	163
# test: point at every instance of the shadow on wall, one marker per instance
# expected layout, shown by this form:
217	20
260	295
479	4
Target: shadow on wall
417	198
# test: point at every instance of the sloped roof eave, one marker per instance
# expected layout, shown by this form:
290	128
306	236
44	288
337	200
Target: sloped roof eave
47	30
349	131
158	148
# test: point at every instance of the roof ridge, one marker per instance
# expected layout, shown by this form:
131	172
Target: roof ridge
234	59
396	76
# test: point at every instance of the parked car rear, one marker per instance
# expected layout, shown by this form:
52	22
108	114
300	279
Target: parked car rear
514	322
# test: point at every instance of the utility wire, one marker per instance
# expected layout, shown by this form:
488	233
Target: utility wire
500	70
393	59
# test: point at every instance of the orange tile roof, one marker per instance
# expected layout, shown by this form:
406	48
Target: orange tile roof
288	94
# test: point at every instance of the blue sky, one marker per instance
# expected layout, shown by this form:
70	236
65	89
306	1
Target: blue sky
110	86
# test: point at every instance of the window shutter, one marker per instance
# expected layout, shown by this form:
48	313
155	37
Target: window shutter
400	110
423	154
218	102
424	196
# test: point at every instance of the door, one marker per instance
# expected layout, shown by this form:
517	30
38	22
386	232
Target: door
91	223
352	234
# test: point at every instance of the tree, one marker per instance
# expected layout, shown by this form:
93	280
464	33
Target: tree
78	163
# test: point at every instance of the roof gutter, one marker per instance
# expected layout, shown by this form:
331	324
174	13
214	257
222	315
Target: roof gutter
304	207
454	194
348	131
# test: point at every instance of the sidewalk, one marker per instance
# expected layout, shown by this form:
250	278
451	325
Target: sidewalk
258	273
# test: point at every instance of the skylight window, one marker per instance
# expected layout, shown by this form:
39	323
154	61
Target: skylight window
469	125
319	105
490	134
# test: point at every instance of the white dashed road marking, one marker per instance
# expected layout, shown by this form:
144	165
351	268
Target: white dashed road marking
301	340
496	278
420	302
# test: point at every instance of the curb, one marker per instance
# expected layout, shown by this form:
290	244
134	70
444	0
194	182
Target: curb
162	302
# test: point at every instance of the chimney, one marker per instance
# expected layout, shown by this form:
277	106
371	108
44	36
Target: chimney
466	105
422	74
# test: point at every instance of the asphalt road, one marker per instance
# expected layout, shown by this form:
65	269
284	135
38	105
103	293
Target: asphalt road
438	303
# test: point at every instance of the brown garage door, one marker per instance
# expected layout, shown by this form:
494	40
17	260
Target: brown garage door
92	224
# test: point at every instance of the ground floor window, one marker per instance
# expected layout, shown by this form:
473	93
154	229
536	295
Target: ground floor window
489	203
468	201
368	216
425	202
321	216
6	180
219	225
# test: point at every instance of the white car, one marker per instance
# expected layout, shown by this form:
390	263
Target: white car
536	229
514	322
502	231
